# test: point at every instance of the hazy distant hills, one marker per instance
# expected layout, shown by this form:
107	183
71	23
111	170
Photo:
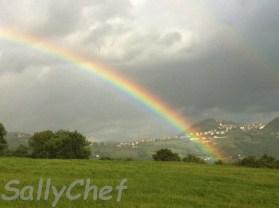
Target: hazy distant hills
15	139
236	139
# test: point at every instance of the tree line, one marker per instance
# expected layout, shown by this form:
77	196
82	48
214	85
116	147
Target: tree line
265	161
168	155
61	144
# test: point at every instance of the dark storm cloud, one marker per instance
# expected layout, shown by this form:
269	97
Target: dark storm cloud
221	79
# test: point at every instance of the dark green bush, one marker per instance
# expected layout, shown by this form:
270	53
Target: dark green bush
219	162
263	162
166	155
193	159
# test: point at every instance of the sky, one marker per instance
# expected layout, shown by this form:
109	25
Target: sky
204	58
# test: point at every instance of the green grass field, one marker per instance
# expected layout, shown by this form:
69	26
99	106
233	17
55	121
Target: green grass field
150	184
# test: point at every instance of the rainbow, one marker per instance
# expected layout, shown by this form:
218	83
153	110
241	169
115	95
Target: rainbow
114	78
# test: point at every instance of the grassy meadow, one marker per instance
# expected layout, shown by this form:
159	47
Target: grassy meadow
150	184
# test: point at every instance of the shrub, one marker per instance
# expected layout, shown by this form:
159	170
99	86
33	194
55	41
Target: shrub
166	155
219	162
267	162
106	158
193	159
3	142
249	161
21	151
264	162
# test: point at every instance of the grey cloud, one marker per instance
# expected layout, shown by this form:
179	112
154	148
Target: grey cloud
62	18
108	9
221	80
16	58
65	17
59	18
171	38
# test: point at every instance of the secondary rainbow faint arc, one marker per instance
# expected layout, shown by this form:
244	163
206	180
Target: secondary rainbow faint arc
115	79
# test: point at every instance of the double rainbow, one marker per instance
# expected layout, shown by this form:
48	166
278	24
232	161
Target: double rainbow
116	80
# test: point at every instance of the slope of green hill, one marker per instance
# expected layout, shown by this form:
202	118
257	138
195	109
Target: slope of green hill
273	125
235	143
250	143
150	184
144	151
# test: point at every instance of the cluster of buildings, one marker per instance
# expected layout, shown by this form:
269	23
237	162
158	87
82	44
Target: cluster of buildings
251	126
133	144
223	129
136	142
219	132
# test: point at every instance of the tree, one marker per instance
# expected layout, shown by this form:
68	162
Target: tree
249	161
71	145
61	144
40	144
193	159
21	151
3	142
219	162
165	155
267	161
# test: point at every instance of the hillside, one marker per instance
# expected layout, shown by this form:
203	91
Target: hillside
150	184
249	143
210	124
236	144
144	151
237	140
273	125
